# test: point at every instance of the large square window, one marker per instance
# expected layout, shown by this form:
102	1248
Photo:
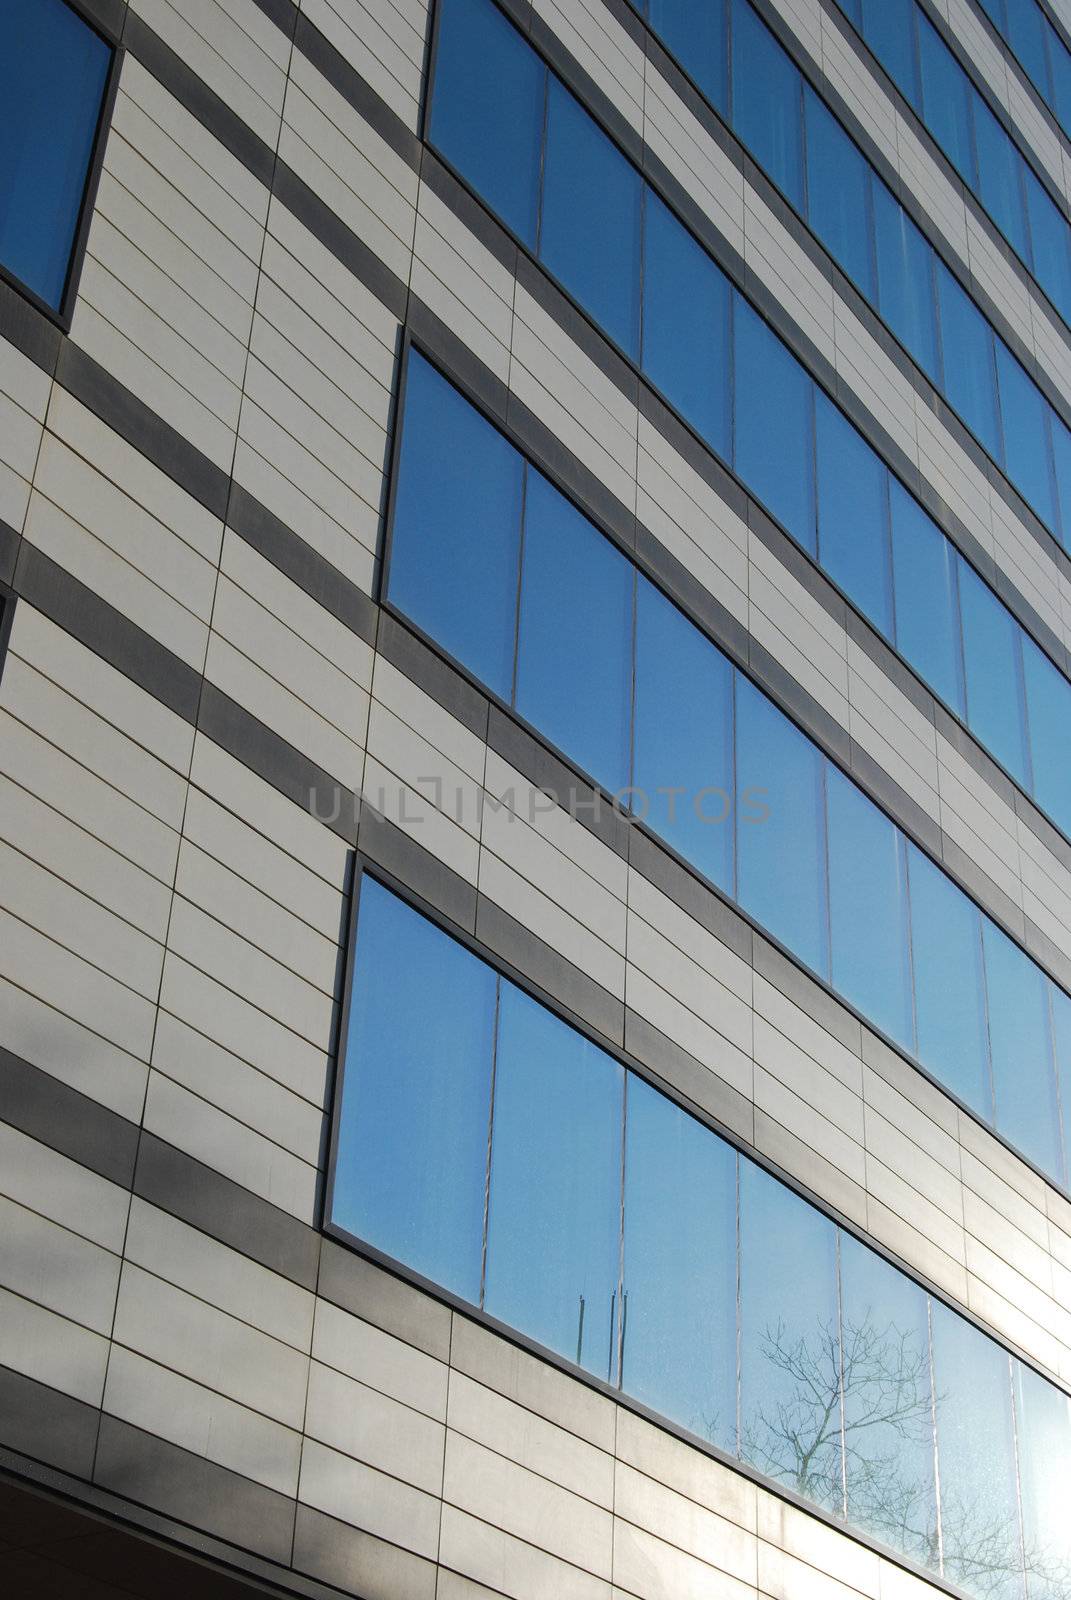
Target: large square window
53	75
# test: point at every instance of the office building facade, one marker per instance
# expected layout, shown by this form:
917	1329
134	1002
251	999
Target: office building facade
535	798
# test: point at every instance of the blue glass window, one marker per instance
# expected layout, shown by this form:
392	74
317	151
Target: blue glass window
455	542
906	296
946	947
767	114
1051	241
777	463
679	1341
1025	414
946	99
687	350
1043	1426
781	857
574	656
1026	34
991	658
838	193
853	532
889	30
487	109
789	1344
1024	1082
976	1451
1048	709
1061	1045
554	1207
590	231
1061	454
969	370
888	1422
412	1136
683	739
1061	82
998	177
53	73
924	588
868	909
697	36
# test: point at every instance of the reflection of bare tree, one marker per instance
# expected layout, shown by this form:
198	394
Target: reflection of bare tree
880	1378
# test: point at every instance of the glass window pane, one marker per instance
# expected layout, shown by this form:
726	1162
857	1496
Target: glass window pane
554	1214
697	36
1061	1038
946	946
888	1418
998	176
767	114
976	1459
1061	450
905	280
969	370
590	233
679	1353
991	662
780	839
574	658
946	99
686	332
927	611
1048	705
1043	1420
1024	1082
1061	82
777	464
412	1136
455	539
889	30
53	71
868	909
789	1340
1025	415
487	110
1026	35
1051	244
853	537
838	193
684	736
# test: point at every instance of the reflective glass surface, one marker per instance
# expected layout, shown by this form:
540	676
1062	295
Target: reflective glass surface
790	1394
946	944
766	101
888	1404
455	544
590	230
487	109
781	860
778	462
976	1452
683	736
412	1133
554	1207
853	516
679	1337
574	649
53	72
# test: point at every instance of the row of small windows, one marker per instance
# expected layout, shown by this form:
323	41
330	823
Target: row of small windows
751	79
53	76
493	1149
942	94
497	568
1040	50
529	148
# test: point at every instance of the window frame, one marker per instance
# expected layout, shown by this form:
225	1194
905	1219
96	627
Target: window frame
63	317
